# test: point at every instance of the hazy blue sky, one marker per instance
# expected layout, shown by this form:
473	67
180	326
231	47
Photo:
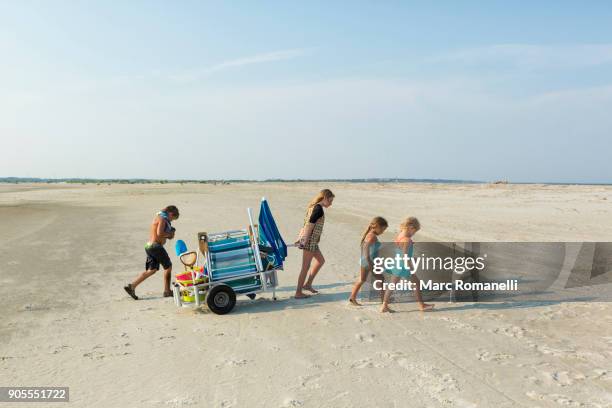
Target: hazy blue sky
466	90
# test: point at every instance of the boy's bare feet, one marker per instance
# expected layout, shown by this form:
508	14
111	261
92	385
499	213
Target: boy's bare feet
168	293
310	289
300	295
354	302
386	309
425	307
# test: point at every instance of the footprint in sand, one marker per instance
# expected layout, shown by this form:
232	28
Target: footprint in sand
365	337
534	380
325	318
553	351
232	363
59	349
392	355
362	320
34	308
563	378
513	331
431	380
600	374
180	402
407	364
94	355
366	363
455	324
497	357
167	338
554	398
310	382
291	402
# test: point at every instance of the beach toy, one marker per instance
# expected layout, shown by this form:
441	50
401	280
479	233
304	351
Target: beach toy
180	247
189	259
186	278
188	297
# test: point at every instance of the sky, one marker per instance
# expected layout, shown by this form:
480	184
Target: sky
470	90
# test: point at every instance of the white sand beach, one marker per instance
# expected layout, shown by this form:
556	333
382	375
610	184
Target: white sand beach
69	249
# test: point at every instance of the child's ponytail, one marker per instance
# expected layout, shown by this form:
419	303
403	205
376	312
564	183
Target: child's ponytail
376	222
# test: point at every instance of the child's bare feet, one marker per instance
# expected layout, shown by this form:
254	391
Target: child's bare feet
310	289
386	309
300	295
425	307
354	302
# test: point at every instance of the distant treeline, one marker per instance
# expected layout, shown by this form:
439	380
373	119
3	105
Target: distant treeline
16	180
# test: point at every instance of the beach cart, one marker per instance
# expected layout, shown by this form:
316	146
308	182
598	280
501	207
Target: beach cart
230	263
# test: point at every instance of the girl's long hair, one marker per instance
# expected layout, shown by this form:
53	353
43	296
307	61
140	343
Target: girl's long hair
376	222
323	194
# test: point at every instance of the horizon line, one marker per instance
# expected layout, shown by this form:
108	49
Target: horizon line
139	180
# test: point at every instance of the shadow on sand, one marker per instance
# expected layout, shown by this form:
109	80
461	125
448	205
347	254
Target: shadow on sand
512	305
265	304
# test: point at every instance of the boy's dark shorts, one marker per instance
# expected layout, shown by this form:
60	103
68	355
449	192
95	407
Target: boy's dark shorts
156	255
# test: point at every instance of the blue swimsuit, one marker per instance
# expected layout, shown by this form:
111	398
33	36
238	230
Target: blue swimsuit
401	271
373	254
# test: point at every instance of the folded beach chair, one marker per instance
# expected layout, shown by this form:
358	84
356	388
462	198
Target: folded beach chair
233	258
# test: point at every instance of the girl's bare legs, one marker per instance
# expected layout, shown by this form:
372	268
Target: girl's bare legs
306	259
315	266
381	279
387	296
363	275
417	292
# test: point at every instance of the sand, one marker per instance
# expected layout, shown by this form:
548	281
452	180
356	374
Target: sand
69	249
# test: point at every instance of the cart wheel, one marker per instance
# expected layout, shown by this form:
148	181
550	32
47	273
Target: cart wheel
221	299
251	296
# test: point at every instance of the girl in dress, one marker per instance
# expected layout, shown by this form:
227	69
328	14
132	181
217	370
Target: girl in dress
312	258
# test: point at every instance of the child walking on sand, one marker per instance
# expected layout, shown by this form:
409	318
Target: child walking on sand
312	258
160	231
369	250
405	246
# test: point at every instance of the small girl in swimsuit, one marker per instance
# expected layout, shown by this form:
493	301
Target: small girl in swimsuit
369	250
405	245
